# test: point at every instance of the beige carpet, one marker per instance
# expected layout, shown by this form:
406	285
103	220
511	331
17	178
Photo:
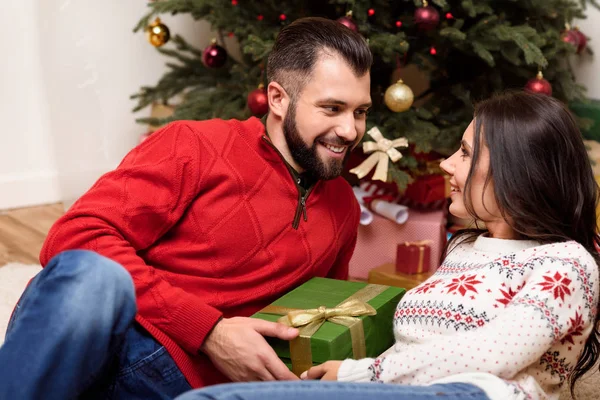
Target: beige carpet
14	278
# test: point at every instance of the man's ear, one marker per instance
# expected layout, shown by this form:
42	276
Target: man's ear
278	98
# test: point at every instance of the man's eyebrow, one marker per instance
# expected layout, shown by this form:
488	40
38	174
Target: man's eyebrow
331	100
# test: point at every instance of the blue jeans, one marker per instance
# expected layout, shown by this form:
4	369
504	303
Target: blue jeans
317	390
73	335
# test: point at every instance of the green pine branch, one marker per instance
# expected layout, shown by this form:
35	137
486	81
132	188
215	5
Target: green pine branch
486	46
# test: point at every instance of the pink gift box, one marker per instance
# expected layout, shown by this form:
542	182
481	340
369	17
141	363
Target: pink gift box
378	242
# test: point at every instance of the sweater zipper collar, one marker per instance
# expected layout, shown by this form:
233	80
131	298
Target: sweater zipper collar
301	207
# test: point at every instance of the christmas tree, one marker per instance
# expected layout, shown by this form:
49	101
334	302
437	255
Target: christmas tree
462	50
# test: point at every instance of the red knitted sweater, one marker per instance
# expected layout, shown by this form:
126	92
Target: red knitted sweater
208	219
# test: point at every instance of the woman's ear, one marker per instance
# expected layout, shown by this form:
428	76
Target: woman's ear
278	99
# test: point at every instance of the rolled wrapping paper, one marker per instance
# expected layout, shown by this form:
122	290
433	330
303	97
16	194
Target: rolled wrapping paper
366	216
392	211
360	194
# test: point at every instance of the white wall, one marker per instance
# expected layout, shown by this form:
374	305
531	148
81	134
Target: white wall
27	172
66	77
67	73
587	68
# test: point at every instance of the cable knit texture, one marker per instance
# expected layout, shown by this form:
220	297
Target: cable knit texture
511	317
201	216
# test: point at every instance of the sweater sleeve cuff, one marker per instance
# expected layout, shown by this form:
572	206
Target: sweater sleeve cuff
355	370
191	323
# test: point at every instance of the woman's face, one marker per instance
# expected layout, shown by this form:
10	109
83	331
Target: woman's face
457	166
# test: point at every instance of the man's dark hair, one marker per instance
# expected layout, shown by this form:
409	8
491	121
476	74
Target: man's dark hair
299	45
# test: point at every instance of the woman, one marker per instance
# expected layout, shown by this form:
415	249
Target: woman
512	310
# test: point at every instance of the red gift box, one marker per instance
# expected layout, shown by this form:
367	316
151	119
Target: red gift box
378	242
413	257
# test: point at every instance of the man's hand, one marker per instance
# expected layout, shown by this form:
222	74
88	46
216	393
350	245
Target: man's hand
236	346
326	372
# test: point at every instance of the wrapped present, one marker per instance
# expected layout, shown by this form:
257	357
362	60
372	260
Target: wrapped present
337	320
386	275
160	110
427	192
413	257
377	242
597	177
593	149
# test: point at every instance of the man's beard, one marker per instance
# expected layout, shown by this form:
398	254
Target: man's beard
308	157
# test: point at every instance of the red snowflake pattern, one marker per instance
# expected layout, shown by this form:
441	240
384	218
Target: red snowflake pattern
558	284
463	284
426	286
508	295
576	329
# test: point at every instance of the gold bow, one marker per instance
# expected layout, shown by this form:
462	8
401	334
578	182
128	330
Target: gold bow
309	321
348	309
383	149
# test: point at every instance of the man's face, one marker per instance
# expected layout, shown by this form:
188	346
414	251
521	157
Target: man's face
328	119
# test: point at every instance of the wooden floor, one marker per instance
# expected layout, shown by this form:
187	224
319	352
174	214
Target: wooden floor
22	232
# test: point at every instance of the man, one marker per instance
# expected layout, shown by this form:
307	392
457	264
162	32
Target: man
213	220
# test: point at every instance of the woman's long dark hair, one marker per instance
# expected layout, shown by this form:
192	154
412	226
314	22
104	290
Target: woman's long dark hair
543	180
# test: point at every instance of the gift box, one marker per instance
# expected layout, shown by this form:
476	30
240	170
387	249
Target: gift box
413	257
337	320
597	177
386	275
377	242
427	192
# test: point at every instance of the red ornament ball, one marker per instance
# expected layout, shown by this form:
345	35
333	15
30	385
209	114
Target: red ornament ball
570	37
398	24
348	22
282	17
582	41
539	85
258	102
371	12
214	56
427	18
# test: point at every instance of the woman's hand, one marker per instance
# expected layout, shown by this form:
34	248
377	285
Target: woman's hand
325	372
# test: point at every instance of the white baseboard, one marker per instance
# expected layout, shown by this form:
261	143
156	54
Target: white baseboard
29	189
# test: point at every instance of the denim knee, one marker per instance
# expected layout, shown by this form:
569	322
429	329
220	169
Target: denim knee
91	281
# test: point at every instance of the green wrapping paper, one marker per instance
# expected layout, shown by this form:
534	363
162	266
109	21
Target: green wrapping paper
333	341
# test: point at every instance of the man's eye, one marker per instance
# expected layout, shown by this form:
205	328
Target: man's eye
332	108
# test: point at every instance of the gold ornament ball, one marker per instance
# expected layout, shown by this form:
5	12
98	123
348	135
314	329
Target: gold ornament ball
399	97
158	33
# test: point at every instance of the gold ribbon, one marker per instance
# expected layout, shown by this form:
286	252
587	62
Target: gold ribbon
421	245
383	150
309	321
